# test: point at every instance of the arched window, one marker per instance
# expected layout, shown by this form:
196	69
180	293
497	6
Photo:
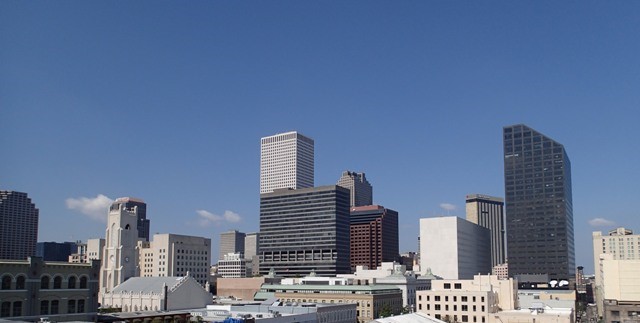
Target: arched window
57	282
44	307
6	282
54	306
44	282
17	308
81	306
20	282
72	282
5	309
71	306
127	227
83	282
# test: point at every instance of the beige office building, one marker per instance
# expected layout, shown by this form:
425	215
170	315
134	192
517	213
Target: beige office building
170	255
619	244
474	300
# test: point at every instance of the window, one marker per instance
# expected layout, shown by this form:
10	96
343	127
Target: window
447	285
420	306
464	308
72	282
446	298
465	318
57	282
20	282
437	298
44	307
482	319
5	309
463	298
83	282
457	286
6	282
17	308
482	299
455	298
44	282
437	307
71	306
54	306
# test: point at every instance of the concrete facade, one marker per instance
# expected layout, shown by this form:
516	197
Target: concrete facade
370	299
454	248
361	192
176	255
474	300
487	212
286	161
233	266
62	291
231	242
120	260
394	274
279	312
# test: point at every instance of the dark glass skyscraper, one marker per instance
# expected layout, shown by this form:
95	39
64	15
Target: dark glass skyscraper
305	230
539	212
18	226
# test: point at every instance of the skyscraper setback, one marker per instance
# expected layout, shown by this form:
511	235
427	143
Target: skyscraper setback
361	190
539	209
286	161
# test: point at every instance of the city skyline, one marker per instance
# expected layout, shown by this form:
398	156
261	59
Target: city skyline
168	103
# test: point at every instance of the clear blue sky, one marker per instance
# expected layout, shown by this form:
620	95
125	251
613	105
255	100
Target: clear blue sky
167	101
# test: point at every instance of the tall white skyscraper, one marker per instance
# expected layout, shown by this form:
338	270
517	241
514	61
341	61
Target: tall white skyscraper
286	161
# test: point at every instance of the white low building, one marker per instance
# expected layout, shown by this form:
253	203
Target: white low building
391	273
472	300
157	294
279	312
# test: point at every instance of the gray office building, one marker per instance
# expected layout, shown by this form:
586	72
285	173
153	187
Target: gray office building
305	230
361	192
487	212
539	209
231	242
18	226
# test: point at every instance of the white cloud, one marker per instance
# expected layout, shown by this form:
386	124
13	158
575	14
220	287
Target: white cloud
601	222
448	206
207	217
96	207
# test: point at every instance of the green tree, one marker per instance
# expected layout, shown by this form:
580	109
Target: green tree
385	311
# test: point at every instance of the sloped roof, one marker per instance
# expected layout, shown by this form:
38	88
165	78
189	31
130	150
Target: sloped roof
146	284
